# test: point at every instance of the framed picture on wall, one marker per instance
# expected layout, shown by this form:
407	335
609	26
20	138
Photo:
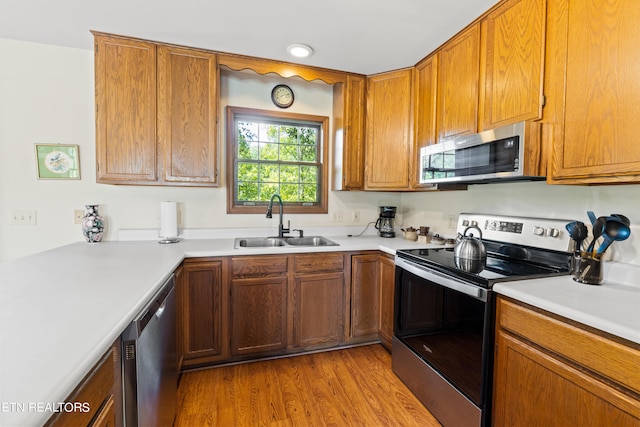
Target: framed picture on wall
58	161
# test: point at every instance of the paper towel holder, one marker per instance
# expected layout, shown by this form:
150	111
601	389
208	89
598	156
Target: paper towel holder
168	240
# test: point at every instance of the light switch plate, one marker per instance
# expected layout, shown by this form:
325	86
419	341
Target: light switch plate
22	217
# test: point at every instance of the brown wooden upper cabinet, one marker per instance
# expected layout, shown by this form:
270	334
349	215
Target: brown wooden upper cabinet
597	59
458	85
513	52
125	79
156	113
425	97
389	130
349	99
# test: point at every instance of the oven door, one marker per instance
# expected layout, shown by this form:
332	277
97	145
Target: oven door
448	323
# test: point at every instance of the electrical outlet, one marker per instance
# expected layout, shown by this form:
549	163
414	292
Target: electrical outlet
337	216
22	217
77	216
355	216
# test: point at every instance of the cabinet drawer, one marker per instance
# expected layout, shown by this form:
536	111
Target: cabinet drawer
93	393
310	263
611	359
258	265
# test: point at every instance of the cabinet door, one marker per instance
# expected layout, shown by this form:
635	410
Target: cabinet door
600	141
188	116
203	310
425	86
348	130
125	77
365	297
458	76
533	388
258	315
387	284
514	43
318	310
389	133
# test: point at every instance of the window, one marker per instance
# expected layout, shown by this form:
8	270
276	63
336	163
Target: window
273	152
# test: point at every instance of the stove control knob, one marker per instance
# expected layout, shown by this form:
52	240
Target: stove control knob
553	232
538	231
465	222
474	223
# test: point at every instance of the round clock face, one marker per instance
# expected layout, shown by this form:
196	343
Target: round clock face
282	96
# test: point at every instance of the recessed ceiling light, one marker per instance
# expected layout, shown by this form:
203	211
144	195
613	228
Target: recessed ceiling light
299	50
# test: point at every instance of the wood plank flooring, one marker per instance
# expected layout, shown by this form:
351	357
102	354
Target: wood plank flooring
350	387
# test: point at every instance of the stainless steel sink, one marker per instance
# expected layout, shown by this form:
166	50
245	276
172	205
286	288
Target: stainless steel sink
274	242
259	242
310	241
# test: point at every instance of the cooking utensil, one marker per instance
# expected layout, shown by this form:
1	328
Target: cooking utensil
469	247
598	229
592	217
578	232
615	231
622	218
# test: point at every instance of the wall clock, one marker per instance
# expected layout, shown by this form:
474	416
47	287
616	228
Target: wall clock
282	96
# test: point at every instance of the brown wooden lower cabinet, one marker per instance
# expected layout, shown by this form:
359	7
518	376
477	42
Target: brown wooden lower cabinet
552	372
98	396
258	315
387	284
202	301
318	319
243	307
365	297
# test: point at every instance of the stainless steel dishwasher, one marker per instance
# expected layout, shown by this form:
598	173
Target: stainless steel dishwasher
149	362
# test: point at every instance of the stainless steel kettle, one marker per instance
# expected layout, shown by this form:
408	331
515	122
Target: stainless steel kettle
470	251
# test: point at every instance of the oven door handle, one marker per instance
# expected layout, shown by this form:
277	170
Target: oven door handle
442	279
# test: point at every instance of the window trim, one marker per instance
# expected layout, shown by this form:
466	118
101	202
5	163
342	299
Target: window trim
280	115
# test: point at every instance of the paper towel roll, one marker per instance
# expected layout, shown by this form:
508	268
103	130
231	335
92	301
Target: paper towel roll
168	220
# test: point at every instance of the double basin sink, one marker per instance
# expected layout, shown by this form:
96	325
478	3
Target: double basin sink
274	242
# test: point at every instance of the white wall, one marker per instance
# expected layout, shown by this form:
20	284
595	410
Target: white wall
534	199
47	96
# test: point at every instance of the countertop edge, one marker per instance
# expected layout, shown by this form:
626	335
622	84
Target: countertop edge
537	293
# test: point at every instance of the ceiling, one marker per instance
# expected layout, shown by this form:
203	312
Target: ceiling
360	36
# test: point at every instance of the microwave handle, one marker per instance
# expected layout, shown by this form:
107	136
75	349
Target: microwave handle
442	279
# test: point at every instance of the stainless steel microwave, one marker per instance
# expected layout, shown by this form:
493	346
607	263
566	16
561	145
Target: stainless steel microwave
488	156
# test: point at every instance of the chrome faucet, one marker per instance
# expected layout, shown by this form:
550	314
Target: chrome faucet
281	229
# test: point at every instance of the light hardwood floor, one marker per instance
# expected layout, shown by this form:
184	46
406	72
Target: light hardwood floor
351	387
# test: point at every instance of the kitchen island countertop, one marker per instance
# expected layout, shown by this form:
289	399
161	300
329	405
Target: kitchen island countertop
60	310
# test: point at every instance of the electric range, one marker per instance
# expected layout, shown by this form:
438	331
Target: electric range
444	311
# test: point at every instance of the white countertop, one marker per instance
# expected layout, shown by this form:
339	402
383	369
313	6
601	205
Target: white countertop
613	306
60	310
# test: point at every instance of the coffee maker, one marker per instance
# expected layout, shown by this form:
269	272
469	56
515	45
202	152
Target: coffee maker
384	224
